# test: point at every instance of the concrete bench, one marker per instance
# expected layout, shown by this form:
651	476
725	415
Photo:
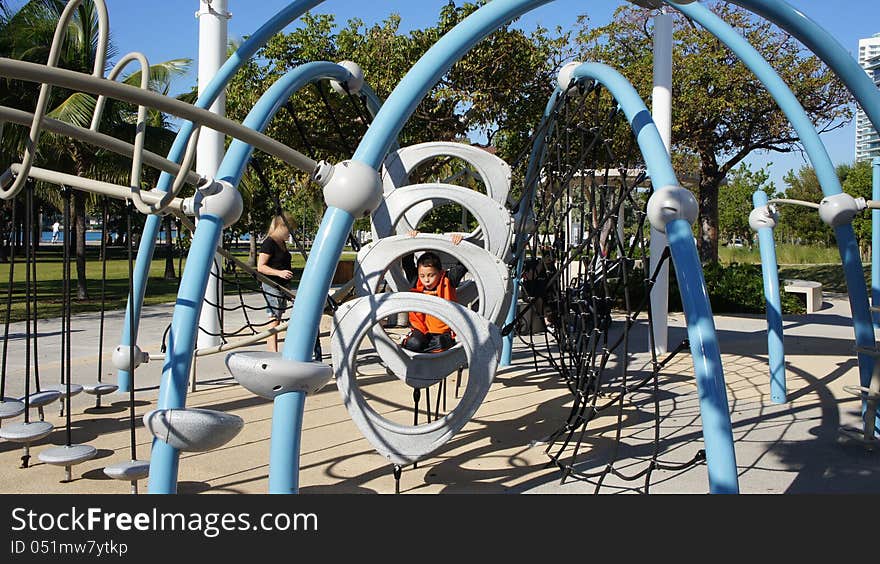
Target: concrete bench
812	291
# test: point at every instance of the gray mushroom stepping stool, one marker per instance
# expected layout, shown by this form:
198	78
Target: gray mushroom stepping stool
193	429
132	471
62	388
41	399
26	433
100	389
67	456
10	407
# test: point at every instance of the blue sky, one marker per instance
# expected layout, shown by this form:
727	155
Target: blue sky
165	29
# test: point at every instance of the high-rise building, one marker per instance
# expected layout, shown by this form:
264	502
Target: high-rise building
867	138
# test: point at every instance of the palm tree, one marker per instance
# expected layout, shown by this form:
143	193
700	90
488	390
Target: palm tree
27	36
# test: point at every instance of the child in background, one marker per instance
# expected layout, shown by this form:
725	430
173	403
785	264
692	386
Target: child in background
429	334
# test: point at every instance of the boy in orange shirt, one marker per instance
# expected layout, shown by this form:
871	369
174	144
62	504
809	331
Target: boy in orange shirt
429	334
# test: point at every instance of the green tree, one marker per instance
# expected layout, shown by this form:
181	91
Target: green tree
798	224
497	91
857	181
735	200
721	113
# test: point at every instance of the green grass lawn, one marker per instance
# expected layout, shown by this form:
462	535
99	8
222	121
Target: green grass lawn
805	262
50	286
785	254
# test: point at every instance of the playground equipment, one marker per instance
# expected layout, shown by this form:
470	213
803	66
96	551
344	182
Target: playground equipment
374	183
836	211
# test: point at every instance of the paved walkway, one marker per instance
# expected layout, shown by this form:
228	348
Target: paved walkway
792	447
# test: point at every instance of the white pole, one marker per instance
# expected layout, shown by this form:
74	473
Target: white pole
662	113
213	18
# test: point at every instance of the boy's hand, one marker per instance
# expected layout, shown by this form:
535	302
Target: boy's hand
413	232
456	238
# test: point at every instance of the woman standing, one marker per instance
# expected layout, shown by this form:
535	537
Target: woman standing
274	262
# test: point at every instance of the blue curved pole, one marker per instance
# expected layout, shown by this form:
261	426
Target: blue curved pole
311	297
336	224
815	149
521	237
164	458
770	273
875	240
147	245
824	45
647	135
714	410
239	153
427	71
415	85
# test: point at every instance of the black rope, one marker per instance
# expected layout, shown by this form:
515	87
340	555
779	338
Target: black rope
104	218
8	303
34	295
65	306
28	233
590	293
343	139
131	332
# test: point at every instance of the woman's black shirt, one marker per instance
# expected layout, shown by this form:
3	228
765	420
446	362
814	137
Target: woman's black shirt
279	258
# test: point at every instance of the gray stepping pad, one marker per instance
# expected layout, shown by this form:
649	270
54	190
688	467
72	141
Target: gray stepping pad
100	389
193	430
10	407
268	375
62	388
26	432
42	398
68	455
130	471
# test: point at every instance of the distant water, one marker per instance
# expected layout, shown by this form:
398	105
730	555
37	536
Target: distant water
95	237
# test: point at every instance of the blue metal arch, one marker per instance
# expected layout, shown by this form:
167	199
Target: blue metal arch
147	245
828	180
184	325
714	410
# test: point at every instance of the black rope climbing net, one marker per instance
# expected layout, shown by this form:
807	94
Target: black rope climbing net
586	281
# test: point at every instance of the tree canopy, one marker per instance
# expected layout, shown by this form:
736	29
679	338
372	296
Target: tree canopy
721	112
497	92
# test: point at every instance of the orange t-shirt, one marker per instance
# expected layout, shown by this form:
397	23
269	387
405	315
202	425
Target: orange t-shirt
428	323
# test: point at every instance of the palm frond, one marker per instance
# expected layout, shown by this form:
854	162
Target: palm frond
161	74
76	109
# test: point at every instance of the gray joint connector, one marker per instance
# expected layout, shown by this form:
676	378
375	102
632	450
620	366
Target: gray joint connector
565	75
354	187
670	203
323	173
122	357
764	216
840	209
354	83
216	197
